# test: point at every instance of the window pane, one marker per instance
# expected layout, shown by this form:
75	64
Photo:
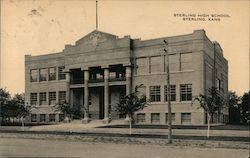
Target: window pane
142	65
172	93
52	73
140	118
62	97
61	74
155	93
42	118
186	92
173	62
43	74
33	98
185	117
186	61
155	64
42	97
155	118
52	98
172	117
33	75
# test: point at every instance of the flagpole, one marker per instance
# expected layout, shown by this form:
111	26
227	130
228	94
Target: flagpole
96	15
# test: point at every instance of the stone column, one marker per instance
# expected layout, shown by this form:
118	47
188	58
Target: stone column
106	95
86	97
128	87
68	87
128	80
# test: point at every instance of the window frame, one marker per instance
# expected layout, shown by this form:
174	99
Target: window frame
140	118
31	76
155	118
32	97
61	73
52	76
172	93
155	93
52	97
42	98
186	92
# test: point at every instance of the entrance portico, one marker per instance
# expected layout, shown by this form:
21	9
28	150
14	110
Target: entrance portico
99	90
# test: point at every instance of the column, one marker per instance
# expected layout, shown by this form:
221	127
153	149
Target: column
86	97
128	87
106	95
68	87
128	80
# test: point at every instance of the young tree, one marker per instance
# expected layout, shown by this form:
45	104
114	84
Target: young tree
129	104
66	109
245	107
211	103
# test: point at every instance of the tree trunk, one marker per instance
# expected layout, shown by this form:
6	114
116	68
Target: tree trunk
208	125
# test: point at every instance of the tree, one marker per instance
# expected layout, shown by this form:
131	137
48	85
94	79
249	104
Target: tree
21	110
245	107
66	109
211	103
234	111
4	102
129	104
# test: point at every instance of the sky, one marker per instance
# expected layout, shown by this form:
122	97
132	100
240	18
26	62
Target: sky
39	27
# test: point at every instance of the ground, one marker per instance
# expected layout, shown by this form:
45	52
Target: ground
13	147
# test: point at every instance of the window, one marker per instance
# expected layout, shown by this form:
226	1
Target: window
42	118
33	75
173	62
61	117
186	92
52	98
52	117
172	93
142	65
185	117
33	118
186	61
155	93
218	84
61	73
33	98
155	64
140	118
43	74
155	118
172	117
52	73
42	97
62	96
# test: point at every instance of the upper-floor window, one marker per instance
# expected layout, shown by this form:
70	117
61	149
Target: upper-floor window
42	98
173	62
52	73
172	93
52	98
155	64
142	65
172	117
33	75
155	93
186	92
33	98
61	73
43	74
186	61
141	118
